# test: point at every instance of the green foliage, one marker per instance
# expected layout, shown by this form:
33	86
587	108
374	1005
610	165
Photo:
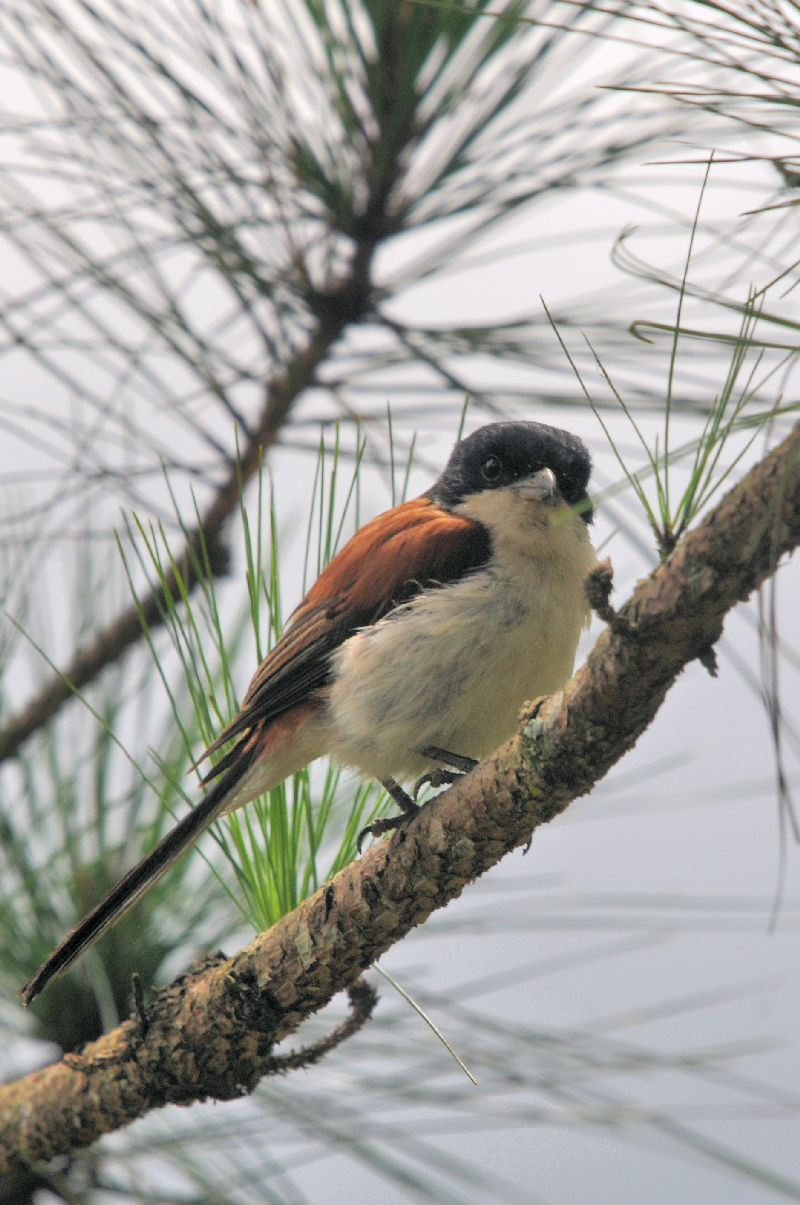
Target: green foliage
737	410
88	815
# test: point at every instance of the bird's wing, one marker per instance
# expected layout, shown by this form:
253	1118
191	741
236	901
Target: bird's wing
414	546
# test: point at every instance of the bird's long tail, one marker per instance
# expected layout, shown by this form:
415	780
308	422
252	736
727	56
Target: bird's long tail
140	879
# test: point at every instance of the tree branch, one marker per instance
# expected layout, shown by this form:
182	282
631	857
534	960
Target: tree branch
211	1032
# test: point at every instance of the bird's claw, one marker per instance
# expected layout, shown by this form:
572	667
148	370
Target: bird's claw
456	767
436	778
384	824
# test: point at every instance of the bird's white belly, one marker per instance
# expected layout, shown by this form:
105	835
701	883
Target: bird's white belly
452	669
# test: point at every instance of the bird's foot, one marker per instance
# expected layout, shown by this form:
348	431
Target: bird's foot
436	778
457	765
440	777
385	824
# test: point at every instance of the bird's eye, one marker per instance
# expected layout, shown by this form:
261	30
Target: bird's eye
491	468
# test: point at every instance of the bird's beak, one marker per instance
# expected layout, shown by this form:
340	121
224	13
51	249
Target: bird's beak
539	487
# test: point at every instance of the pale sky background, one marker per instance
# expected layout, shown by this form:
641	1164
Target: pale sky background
635	937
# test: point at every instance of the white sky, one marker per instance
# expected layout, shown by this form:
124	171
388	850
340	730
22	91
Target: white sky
668	873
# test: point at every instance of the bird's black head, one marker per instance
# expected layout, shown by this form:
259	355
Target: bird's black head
503	453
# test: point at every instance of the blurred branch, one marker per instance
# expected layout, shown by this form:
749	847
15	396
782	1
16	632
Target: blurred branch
206	544
210	1033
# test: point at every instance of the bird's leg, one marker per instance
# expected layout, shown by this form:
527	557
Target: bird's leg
385	824
408	808
440	777
455	760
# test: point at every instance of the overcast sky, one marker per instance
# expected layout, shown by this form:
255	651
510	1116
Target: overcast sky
635	938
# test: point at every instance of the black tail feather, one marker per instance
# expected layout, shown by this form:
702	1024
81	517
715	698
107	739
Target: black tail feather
139	880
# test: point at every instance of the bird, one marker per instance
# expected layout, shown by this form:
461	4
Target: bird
411	655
